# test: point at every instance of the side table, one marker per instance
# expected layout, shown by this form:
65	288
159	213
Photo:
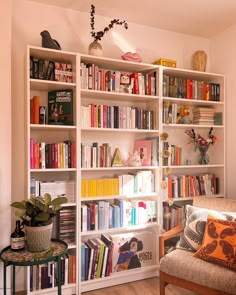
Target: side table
24	257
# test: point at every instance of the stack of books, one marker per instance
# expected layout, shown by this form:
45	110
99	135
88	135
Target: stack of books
203	116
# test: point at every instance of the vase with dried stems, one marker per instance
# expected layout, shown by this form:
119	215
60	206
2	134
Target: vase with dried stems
95	48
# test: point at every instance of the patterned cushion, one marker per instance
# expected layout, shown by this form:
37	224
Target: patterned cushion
196	218
219	243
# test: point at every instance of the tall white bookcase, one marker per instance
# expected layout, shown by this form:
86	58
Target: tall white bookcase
122	138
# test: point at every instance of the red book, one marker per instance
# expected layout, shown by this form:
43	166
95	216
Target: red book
92	107
105	116
36	155
189	88
136	82
36	109
32	153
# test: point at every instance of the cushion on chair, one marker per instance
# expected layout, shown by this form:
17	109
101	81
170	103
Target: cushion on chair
196	218
219	243
182	264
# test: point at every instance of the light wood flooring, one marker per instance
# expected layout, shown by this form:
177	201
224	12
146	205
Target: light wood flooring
143	287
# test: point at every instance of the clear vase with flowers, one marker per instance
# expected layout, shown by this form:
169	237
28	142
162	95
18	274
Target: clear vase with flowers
202	144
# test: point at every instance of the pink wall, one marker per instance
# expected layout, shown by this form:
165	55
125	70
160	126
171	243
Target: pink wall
5	128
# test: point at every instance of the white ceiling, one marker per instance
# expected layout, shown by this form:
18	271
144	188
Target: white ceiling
195	17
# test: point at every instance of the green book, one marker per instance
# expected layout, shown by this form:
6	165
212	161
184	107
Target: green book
60	107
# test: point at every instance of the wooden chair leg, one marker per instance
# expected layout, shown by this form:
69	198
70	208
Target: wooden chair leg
162	286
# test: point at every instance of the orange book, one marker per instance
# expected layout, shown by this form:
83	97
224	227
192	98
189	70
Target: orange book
36	110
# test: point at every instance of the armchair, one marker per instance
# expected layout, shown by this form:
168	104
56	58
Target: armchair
180	268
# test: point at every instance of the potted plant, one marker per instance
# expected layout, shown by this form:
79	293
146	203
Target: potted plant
36	214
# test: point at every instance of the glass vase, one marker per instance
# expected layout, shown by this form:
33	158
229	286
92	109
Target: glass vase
95	48
203	158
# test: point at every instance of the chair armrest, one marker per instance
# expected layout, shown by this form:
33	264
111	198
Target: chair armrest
168	235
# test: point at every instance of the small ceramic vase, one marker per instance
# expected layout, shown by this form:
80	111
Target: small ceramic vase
95	48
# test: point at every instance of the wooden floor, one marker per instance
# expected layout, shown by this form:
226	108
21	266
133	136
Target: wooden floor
144	287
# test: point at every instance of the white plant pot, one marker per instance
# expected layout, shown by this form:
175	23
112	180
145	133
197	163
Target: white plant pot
38	238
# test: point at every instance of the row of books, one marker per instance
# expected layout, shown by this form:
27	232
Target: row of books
95	155
94	78
182	186
55	188
172	215
45	275
58	111
99	155
50	70
126	117
118	252
171	154
189	88
52	155
104	215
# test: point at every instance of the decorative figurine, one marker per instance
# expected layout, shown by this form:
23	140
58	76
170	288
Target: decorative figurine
48	42
132	57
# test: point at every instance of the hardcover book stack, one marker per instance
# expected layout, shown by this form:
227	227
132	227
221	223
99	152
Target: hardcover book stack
203	116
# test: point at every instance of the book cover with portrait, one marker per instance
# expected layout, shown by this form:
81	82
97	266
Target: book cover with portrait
133	250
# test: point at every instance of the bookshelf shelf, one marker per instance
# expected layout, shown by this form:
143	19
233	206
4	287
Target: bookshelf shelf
186	126
120	229
120	130
119	168
50	85
107	95
51	127
124	107
193	102
130	196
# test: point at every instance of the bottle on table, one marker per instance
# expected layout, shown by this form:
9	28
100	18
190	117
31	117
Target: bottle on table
18	237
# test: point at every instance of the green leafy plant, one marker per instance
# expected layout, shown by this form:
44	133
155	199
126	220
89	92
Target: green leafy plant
38	211
98	35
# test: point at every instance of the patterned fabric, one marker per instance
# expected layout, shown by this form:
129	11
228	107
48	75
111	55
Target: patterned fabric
196	218
219	243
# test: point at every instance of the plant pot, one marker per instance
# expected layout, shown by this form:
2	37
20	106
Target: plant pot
95	48
38	238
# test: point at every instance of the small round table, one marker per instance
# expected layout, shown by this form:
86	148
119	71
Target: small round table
24	257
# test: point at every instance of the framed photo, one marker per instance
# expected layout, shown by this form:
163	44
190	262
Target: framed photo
144	149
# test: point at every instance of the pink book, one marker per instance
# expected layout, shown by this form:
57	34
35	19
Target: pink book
32	153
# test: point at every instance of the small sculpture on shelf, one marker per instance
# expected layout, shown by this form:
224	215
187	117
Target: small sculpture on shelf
184	115
126	84
48	42
132	57
134	159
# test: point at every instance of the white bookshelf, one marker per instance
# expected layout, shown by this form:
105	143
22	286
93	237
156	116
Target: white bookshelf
124	140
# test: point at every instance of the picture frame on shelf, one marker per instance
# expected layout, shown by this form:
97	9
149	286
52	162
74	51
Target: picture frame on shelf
144	149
